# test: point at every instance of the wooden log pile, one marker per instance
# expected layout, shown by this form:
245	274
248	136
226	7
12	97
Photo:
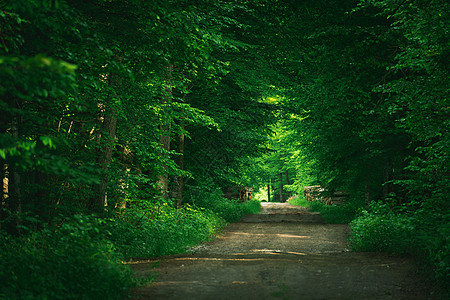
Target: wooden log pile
318	193
243	193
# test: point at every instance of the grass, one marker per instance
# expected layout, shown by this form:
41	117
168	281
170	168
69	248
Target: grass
423	233
299	201
162	230
229	210
81	257
332	214
72	260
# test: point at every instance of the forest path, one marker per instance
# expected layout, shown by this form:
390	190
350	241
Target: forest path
284	253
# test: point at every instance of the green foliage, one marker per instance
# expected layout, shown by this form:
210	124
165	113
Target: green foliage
82	257
382	230
84	88
66	76
367	110
337	213
161	230
359	96
299	200
73	260
332	214
229	210
404	230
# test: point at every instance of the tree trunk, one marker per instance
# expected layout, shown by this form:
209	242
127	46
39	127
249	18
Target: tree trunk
4	183
163	179
4	195
268	189
165	128
41	195
177	191
280	186
367	191
178	184
388	177
14	194
107	138
126	162
287	177
104	160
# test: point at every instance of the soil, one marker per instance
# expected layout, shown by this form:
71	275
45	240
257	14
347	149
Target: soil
286	252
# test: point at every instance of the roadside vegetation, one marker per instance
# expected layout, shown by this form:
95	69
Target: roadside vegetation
405	229
400	229
125	123
83	256
332	214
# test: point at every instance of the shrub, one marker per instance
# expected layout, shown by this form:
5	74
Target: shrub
422	232
72	261
251	207
299	200
337	213
161	229
383	230
80	258
332	214
229	210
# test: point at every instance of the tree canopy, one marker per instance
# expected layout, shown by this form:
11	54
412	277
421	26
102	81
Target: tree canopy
108	105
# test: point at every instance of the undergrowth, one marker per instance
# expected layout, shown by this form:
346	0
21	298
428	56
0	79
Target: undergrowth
332	214
418	229
423	233
81	257
161	230
229	210
73	260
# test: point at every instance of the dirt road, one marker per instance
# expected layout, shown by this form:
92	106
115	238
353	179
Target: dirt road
284	253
